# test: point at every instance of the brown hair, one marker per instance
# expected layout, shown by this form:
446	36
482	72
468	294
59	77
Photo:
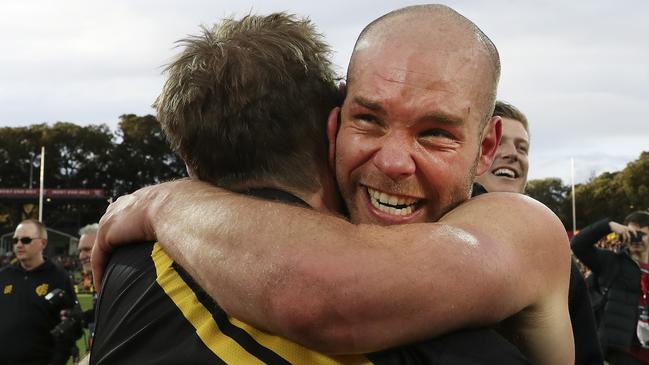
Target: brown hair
248	100
640	217
506	110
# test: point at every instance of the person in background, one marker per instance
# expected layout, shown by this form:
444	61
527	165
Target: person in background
624	277
508	173
87	235
28	310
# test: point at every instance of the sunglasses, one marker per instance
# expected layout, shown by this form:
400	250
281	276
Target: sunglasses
24	240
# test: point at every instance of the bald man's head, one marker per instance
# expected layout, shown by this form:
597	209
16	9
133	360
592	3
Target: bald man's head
438	33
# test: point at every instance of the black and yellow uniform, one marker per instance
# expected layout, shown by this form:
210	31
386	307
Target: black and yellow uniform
151	312
26	318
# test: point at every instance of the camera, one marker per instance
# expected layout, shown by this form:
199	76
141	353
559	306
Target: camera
636	238
58	300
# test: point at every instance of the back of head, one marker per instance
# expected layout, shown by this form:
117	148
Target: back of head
639	218
437	32
248	100
506	110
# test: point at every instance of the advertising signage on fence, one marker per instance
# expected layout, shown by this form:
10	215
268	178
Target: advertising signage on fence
18	193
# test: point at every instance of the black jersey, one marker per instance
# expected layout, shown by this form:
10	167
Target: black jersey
150	312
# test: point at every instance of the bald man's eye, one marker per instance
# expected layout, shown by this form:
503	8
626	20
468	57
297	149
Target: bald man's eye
368	118
436	133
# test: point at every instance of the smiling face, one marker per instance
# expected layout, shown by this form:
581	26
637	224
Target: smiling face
411	136
509	170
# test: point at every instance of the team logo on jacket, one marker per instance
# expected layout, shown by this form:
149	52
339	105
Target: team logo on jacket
8	289
41	290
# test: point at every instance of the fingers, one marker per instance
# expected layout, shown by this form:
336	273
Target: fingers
98	262
123	222
101	248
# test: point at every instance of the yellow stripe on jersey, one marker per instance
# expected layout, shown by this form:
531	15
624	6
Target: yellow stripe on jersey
185	299
222	345
297	354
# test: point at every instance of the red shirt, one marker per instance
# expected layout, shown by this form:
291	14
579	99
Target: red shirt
636	350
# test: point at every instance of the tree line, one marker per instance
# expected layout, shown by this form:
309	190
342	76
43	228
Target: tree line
136	155
611	194
82	157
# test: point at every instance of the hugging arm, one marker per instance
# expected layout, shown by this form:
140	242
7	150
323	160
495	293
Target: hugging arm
337	287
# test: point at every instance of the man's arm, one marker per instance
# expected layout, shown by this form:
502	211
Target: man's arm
338	287
583	244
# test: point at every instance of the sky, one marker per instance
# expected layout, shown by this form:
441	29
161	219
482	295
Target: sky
579	70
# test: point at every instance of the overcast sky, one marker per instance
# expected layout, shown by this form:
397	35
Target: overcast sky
578	69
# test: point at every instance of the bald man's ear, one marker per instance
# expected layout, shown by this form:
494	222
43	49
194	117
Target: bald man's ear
491	134
332	131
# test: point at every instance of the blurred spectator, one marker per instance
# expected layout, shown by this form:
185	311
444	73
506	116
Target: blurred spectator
28	313
623	279
86	241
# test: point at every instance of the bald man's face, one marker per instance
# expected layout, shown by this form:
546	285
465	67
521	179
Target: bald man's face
410	141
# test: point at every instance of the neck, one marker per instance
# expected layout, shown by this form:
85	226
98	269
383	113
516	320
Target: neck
32	264
326	199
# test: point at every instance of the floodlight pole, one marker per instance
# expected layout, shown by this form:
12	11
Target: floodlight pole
574	210
40	194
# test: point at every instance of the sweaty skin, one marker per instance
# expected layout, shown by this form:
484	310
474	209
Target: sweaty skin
322	290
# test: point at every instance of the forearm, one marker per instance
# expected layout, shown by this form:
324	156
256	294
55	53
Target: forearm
323	282
583	243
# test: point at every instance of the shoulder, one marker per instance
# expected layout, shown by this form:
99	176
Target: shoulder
514	213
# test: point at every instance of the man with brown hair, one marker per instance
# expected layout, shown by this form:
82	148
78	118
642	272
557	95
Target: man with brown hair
411	138
509	169
26	317
245	105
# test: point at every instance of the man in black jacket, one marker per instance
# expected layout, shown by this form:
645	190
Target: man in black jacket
508	173
26	317
623	276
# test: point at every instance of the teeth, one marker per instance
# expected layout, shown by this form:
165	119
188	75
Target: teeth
392	204
505	172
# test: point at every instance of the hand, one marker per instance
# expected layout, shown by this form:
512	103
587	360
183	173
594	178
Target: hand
626	234
128	219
